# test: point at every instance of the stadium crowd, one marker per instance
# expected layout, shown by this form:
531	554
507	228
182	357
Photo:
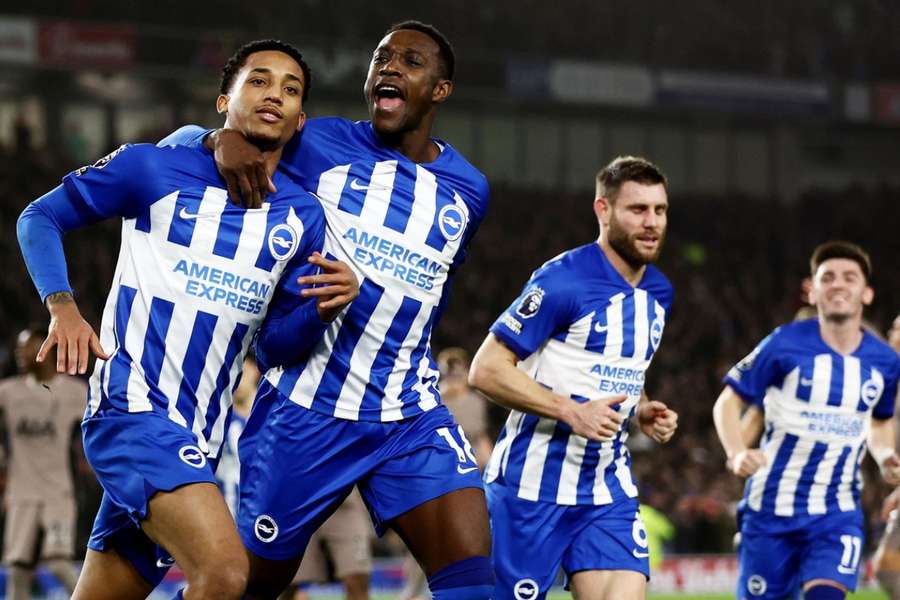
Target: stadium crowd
736	264
845	39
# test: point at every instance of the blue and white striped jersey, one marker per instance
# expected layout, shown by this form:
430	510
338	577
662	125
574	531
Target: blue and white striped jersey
817	405
582	331
192	284
403	227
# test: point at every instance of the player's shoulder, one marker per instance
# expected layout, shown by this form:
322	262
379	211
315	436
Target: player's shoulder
146	158
879	351
564	268
10	384
331	126
793	337
462	169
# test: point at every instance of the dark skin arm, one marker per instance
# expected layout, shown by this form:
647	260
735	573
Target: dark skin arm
337	286
242	165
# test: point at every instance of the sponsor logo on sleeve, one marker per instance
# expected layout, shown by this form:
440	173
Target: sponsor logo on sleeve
512	323
531	303
101	162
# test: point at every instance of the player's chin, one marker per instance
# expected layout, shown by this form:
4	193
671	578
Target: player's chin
269	135
388	122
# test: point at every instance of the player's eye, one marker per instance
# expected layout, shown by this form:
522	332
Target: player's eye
414	60
291	90
257	81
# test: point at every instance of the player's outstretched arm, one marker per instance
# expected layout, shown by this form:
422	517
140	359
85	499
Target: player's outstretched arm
657	421
742	461
881	446
40	230
494	373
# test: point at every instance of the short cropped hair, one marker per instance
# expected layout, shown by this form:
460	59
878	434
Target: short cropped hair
237	60
840	249
627	168
446	53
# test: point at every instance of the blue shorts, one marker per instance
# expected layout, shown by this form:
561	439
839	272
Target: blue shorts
775	565
298	465
533	539
134	456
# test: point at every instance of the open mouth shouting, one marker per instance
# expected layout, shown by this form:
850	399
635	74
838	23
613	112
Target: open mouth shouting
388	97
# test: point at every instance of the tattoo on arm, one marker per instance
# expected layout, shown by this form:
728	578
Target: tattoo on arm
59	298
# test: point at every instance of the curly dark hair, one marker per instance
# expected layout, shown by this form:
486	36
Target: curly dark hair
237	60
447	55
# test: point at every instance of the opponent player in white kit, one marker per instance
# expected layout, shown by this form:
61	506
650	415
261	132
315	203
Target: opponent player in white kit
40	409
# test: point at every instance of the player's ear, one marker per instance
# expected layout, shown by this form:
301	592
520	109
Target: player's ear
868	296
602	209
442	90
301	121
222	104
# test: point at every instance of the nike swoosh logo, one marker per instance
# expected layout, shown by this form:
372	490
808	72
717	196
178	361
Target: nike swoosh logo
356	185
184	214
162	563
640	554
462	471
599	328
806	382
846	570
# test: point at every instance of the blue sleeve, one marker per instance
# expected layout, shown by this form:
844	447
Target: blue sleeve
292	326
40	231
885	407
191	136
121	184
757	371
542	309
110	187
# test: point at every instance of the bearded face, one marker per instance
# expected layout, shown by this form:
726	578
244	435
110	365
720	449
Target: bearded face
636	223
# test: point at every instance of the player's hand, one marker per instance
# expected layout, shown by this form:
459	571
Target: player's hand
243	167
657	421
890	469
597	420
747	462
72	336
890	504
337	283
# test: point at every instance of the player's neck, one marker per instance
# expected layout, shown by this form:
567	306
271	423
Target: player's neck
416	145
632	275
844	336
